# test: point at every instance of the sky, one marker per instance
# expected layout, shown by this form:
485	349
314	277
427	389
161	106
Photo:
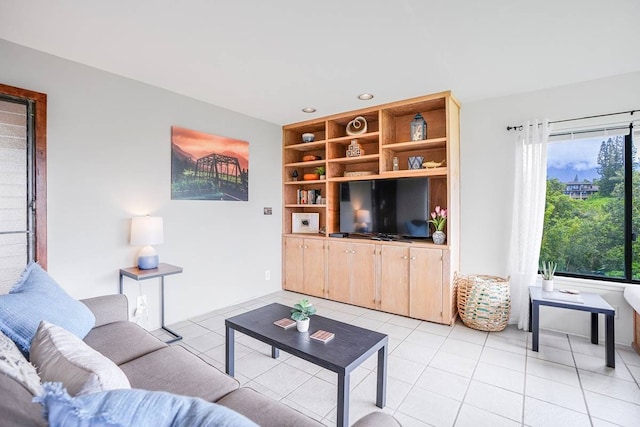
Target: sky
565	159
200	144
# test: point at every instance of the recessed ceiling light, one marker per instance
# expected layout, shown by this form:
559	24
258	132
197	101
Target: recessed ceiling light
365	96
309	110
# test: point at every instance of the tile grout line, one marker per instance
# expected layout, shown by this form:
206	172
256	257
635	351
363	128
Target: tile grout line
455	420
584	396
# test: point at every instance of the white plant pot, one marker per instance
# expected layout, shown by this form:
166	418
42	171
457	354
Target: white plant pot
302	325
547	285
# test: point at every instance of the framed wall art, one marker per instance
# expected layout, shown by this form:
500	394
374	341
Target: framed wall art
305	222
208	167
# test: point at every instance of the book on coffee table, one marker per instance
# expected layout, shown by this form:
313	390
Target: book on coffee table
322	336
285	323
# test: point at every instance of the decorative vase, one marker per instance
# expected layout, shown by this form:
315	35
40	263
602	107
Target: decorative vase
415	162
439	237
302	325
547	285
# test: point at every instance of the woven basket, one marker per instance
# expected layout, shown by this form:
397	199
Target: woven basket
484	302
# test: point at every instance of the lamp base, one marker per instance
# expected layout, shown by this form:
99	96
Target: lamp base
147	258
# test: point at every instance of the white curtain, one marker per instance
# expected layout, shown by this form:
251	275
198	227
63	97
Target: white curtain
528	215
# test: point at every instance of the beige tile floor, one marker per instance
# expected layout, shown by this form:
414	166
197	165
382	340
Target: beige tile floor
439	375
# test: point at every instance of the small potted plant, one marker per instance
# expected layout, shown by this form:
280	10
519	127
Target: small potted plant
301	312
320	170
547	270
439	219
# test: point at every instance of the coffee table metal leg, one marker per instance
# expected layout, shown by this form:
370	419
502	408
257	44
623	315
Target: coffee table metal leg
594	328
610	340
229	351
275	352
381	391
343	400
535	325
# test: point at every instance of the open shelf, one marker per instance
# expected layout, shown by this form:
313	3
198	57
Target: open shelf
367	158
416	145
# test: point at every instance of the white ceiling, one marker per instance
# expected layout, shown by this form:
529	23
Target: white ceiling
269	59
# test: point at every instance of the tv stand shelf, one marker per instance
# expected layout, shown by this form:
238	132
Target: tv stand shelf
420	285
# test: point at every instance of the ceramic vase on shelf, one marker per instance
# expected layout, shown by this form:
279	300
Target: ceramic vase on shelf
302	325
547	285
439	237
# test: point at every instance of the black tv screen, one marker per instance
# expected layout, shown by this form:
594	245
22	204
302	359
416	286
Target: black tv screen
385	206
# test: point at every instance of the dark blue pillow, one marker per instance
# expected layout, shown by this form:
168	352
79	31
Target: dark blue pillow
133	407
36	297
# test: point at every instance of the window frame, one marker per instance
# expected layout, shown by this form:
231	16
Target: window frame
38	121
629	234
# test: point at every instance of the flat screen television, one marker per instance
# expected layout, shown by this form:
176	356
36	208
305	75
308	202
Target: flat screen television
386	206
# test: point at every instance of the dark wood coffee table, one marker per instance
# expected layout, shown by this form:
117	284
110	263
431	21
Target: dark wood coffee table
350	347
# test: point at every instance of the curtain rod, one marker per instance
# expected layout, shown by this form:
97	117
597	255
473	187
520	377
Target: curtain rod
520	127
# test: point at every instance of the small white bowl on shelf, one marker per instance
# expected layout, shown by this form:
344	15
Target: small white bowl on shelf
308	137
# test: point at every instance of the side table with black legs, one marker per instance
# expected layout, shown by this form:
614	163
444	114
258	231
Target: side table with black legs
592	303
162	270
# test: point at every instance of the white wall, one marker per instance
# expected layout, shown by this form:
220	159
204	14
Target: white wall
487	171
109	159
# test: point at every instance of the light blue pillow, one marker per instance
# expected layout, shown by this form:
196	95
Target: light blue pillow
133	407
36	297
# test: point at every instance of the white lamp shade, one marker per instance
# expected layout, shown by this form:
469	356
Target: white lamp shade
363	215
146	230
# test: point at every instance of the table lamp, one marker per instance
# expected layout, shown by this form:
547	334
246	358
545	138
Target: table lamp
147	231
363	218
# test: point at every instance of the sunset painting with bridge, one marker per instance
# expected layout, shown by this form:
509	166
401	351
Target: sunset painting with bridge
208	167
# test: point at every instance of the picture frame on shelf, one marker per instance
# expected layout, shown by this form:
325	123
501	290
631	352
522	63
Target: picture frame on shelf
305	222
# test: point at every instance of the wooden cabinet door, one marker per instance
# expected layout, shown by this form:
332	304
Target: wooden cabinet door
314	277
425	287
394	280
294	264
363	275
339	271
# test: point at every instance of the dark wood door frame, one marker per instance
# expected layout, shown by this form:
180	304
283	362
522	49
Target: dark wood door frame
39	101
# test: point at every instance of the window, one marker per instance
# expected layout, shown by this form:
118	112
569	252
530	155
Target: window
22	182
592	211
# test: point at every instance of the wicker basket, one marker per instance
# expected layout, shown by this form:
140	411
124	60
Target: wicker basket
484	302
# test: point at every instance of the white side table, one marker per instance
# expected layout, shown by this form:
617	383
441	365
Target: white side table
162	270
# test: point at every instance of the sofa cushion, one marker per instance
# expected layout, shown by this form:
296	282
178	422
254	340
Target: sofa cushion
14	365
264	411
138	408
35	297
61	356
176	370
16	407
122	341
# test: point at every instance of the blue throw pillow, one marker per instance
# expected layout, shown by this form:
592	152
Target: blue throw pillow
36	297
133	407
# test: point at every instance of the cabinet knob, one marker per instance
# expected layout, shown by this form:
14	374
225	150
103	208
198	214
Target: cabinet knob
306	247
413	257
405	257
300	246
353	252
346	251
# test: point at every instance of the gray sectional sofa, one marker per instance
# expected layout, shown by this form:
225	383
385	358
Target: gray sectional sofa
150	364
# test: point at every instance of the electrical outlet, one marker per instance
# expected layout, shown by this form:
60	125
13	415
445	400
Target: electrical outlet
141	305
267	275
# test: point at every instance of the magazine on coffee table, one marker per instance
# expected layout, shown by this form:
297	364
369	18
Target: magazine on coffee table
285	323
322	336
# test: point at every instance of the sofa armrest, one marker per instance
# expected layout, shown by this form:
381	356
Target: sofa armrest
108	308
